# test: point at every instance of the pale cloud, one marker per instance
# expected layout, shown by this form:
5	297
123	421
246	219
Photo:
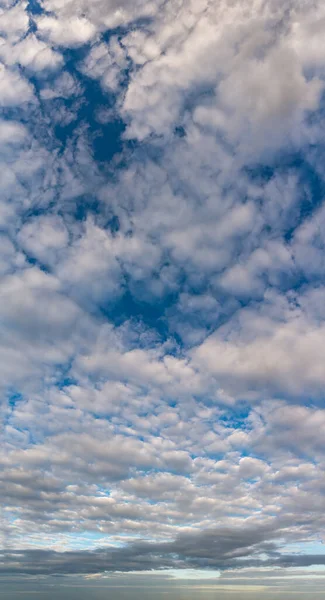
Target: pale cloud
14	21
11	132
106	62
100	14
74	31
278	349
200	51
14	89
44	237
64	86
162	308
31	53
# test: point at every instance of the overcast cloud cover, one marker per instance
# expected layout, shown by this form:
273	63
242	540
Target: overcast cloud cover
162	293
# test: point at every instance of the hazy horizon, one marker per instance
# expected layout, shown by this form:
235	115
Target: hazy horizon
185	590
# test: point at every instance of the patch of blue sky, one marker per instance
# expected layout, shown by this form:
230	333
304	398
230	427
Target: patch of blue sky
148	313
106	138
313	548
13	398
77	540
35	7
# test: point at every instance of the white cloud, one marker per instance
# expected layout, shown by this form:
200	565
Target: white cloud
14	21
102	14
40	329
43	237
147	300
14	89
31	53
70	32
276	350
11	132
90	266
212	45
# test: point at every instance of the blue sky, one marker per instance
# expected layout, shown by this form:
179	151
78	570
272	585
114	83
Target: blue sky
162	285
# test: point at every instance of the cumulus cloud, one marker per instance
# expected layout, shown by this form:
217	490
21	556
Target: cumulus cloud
101	15
72	32
14	88
281	352
14	21
162	286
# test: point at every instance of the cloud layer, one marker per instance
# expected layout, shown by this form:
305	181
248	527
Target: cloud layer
162	285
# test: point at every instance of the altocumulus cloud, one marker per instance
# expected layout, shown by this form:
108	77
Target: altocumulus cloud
162	286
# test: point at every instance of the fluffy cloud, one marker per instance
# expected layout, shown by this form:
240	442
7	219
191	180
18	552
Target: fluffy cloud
30	53
100	14
14	89
72	32
162	286
14	21
278	349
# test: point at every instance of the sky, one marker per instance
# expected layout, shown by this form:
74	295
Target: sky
162	299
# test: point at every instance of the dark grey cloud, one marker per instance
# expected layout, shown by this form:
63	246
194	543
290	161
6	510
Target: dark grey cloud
220	548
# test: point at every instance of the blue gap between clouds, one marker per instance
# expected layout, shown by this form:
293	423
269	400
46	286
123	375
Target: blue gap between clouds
107	142
309	179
